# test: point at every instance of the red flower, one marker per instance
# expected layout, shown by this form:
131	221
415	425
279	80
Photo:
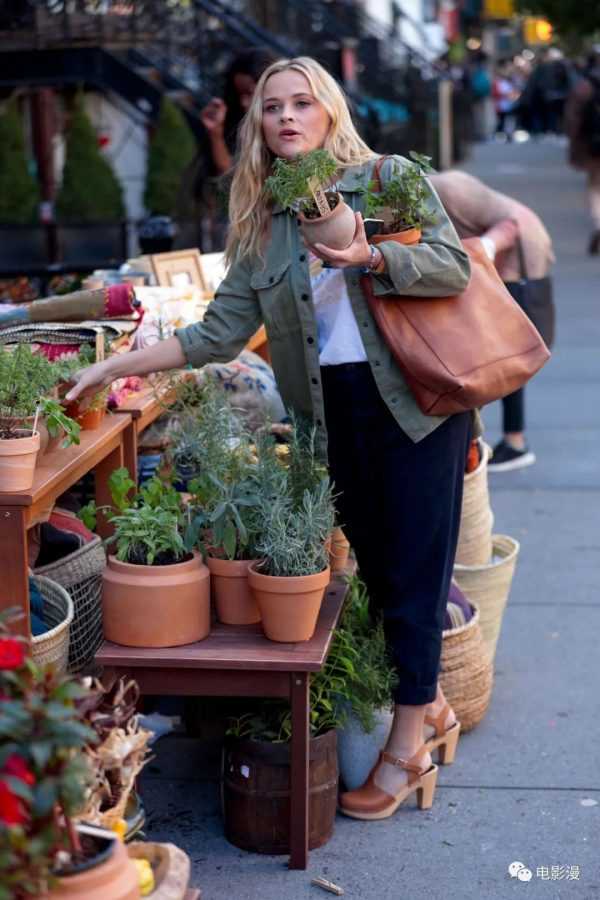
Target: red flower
12	653
18	768
11	808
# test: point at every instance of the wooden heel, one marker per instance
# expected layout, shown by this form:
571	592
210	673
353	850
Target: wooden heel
427	789
447	750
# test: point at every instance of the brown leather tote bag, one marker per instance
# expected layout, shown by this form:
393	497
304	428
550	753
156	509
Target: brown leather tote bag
461	352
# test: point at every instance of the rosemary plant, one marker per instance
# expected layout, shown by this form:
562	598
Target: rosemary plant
289	183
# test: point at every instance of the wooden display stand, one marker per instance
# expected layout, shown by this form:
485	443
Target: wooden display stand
239	661
101	451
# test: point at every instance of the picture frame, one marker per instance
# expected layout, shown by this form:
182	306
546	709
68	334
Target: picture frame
179	268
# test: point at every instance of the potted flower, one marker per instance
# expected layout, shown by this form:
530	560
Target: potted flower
44	779
368	698
26	382
156	587
256	762
400	204
301	184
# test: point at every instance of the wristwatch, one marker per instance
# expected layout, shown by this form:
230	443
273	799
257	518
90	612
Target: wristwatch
366	270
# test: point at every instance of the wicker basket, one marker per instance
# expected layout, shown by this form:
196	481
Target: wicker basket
81	574
489	586
476	518
466	673
53	646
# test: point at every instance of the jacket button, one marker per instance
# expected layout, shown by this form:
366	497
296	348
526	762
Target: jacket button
304	297
376	362
271	279
315	380
365	324
310	340
303	257
319	422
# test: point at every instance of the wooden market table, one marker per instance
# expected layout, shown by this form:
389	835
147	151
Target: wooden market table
238	661
101	451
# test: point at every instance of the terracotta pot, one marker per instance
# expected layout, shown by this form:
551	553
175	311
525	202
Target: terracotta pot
88	419
335	230
156	606
408	236
170	867
18	457
115	878
289	606
339	551
234	601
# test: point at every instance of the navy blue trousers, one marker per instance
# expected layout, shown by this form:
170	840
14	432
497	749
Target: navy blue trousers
399	504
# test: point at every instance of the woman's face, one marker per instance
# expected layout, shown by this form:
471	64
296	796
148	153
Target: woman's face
293	120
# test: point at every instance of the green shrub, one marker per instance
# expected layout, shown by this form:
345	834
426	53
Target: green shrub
90	190
19	193
172	148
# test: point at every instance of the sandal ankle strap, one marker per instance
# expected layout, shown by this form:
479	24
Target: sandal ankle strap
439	721
409	765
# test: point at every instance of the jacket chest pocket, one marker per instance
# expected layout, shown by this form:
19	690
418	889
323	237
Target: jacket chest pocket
274	289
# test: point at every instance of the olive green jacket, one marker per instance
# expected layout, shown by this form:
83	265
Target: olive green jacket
277	291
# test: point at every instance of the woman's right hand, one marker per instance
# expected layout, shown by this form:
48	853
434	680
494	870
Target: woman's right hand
90	380
213	117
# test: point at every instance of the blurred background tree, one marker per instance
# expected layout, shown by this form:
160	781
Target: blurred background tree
19	192
172	149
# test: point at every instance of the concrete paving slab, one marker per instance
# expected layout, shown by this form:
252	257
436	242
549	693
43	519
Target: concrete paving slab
462	848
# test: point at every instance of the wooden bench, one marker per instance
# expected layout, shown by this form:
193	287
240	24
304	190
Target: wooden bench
238	661
101	451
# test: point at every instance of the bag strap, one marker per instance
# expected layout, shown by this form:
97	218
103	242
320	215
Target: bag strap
376	174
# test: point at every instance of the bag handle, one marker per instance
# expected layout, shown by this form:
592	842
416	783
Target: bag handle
376	174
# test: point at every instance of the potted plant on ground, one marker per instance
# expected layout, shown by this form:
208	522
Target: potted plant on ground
43	783
256	763
401	203
26	382
301	184
368	689
156	587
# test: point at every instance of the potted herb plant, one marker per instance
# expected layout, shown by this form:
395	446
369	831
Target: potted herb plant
302	185
26	382
368	697
401	203
290	582
256	763
156	587
44	780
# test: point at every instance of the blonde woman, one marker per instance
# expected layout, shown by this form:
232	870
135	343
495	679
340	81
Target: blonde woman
399	472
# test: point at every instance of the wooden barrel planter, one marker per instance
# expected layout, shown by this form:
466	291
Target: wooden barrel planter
256	793
476	519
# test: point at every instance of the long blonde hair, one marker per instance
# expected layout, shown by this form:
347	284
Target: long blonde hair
249	206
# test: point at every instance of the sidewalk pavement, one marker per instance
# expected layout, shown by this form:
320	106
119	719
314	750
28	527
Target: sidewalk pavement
526	783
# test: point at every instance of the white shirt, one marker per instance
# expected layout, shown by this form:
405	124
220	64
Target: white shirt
338	334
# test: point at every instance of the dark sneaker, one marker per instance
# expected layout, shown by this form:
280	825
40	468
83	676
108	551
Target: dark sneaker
506	458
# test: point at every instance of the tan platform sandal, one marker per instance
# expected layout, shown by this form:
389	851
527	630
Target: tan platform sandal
445	740
371	802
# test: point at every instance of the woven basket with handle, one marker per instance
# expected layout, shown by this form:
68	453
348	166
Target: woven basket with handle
476	518
466	673
53	646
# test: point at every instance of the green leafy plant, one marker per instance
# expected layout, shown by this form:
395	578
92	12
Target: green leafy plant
19	192
90	191
172	148
370	685
289	185
44	777
402	202
57	422
26	380
148	536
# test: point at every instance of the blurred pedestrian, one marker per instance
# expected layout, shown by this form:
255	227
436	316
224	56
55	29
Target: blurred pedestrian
480	83
221	117
505	96
503	223
582	122
546	93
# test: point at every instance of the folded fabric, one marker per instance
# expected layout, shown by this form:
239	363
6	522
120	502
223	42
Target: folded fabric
36	610
55	544
68	521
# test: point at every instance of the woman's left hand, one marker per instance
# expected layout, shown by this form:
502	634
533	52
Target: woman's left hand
357	254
